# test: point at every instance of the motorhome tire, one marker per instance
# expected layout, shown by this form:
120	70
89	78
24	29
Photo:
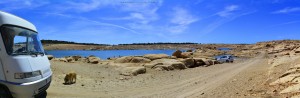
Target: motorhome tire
4	93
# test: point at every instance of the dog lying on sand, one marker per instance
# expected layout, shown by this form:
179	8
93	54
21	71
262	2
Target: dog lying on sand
70	78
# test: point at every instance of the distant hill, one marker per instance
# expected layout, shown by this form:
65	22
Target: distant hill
161	43
70	42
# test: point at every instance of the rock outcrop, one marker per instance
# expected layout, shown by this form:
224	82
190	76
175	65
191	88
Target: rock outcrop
76	57
177	53
155	56
93	59
62	59
290	80
186	54
132	71
69	59
198	62
297	50
167	64
189	62
132	59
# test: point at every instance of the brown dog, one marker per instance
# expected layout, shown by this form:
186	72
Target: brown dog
70	78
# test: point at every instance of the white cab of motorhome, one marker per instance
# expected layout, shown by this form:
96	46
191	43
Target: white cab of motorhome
24	68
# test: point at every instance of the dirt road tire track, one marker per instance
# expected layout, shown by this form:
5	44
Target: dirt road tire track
198	85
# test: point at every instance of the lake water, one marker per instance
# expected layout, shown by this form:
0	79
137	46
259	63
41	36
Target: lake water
104	54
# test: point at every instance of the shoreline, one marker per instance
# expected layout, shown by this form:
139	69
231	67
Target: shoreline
114	49
142	47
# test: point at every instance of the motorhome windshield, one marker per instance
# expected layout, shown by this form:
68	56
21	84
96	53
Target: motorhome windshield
21	41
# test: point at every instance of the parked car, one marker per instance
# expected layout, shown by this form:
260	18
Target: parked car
225	59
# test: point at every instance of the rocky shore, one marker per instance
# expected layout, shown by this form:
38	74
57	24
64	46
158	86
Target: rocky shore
134	65
135	47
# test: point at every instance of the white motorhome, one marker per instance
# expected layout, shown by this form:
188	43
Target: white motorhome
24	68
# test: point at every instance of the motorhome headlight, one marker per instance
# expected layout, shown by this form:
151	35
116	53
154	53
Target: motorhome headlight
27	74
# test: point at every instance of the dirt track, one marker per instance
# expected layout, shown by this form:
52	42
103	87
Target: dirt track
99	81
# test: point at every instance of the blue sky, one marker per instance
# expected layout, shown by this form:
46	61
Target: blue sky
139	21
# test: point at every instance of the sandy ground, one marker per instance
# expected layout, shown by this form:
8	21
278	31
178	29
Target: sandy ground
244	78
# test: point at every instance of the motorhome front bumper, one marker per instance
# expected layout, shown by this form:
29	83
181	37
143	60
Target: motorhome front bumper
30	89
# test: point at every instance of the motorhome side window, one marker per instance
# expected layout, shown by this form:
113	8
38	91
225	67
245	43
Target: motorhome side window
20	41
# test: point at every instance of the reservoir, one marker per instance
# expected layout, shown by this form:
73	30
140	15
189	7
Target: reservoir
104	54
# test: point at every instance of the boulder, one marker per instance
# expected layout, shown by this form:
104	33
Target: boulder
168	64
63	59
93	60
207	62
83	60
297	50
125	59
155	56
152	65
188	62
177	65
76	57
132	71
131	59
69	59
50	57
198	62
186	54
140	60
177	53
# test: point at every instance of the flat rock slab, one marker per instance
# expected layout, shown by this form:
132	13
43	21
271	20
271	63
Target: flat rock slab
132	71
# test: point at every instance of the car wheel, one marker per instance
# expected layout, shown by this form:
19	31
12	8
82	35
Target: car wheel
4	93
227	61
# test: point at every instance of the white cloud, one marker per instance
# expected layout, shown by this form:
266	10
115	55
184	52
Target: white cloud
137	16
93	21
181	19
177	29
139	12
286	23
82	6
11	5
228	10
287	10
90	5
221	21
